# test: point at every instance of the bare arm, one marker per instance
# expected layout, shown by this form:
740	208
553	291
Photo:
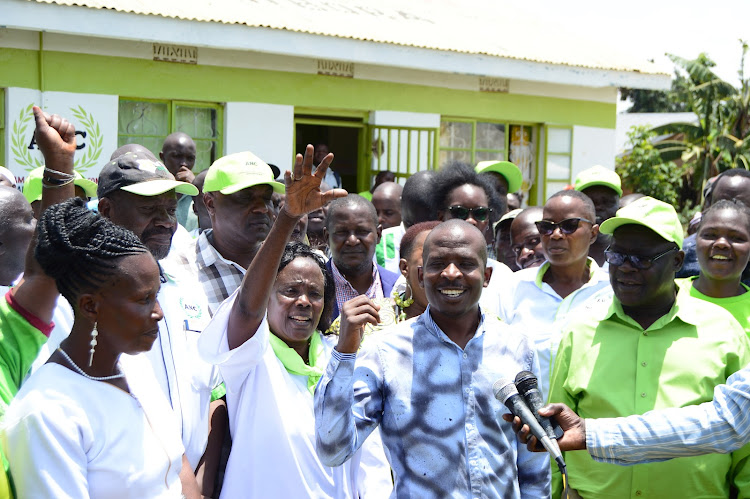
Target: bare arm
303	195
55	137
189	485
218	421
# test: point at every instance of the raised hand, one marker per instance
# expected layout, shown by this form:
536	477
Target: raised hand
184	174
56	138
303	193
354	315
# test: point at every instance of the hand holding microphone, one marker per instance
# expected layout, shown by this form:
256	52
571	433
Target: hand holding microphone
527	386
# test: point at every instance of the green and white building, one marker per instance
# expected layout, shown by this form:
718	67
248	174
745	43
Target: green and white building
399	85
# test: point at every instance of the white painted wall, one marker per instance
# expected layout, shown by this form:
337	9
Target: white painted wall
399	118
267	130
95	114
592	146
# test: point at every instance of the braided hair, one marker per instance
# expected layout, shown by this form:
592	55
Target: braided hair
80	249
299	250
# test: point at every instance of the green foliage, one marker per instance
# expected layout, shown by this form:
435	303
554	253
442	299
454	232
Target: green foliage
644	171
657	101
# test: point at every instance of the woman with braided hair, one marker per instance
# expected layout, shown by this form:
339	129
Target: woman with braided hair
80	426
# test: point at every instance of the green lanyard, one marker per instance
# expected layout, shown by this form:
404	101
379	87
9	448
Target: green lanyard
294	364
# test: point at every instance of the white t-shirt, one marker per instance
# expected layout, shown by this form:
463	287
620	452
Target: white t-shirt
273	425
499	281
68	436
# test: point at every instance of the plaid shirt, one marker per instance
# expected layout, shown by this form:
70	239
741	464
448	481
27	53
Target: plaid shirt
345	291
218	276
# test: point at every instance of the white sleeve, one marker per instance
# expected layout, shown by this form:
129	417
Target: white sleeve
45	450
235	364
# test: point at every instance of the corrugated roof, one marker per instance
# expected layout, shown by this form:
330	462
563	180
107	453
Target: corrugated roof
488	27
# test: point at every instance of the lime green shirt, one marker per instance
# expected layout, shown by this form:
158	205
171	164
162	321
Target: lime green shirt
738	306
608	366
20	342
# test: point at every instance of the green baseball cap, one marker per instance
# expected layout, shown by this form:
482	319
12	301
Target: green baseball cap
598	175
505	168
648	212
139	174
239	171
32	187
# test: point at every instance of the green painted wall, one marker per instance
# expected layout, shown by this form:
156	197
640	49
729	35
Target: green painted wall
161	80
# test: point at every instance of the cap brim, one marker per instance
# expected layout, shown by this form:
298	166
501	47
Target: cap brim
614	187
87	185
160	186
277	187
511	172
610	225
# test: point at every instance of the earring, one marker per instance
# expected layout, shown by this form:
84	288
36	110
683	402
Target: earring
94	334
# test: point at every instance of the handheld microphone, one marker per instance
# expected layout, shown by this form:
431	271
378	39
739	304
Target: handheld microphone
527	386
506	392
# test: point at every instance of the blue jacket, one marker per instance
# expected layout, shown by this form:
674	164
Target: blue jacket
387	280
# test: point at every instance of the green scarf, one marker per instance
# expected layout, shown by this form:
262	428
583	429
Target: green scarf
294	364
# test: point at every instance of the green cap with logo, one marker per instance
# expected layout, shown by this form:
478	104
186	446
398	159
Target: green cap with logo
511	172
656	215
239	171
32	187
598	175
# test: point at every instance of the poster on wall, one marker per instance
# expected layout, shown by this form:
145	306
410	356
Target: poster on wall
94	117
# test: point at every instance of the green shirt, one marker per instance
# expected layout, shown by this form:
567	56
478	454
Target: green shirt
738	306
608	366
20	342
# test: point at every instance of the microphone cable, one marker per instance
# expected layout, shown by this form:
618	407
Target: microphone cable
564	471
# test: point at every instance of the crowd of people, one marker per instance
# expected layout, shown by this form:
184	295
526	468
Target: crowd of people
253	332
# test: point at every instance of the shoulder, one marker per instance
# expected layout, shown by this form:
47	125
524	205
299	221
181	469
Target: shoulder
387	277
705	315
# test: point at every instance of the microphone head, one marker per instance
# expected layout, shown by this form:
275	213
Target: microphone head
504	389
526	381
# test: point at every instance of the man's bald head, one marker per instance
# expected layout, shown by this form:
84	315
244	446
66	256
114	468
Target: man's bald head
387	201
135	149
731	184
416	199
456	233
17	225
178	152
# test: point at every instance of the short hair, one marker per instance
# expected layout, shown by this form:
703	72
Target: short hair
352	200
81	249
463	224
294	250
732	172
455	175
407	242
588	204
416	198
727	204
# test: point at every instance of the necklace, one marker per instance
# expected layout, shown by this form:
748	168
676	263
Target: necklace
80	371
402	304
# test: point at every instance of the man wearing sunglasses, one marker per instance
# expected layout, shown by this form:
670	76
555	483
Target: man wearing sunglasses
648	348
541	298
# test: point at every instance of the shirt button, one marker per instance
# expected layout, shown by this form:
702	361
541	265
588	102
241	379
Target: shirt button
466	390
637	492
466	356
644	364
643	395
645	333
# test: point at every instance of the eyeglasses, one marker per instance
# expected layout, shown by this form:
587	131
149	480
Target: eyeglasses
639	262
567	226
479	214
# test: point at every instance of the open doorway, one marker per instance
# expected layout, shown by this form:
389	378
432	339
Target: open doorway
342	141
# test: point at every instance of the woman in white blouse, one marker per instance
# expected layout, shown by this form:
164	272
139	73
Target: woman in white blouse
82	426
266	340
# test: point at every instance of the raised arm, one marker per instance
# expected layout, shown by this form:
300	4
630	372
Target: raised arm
55	137
303	195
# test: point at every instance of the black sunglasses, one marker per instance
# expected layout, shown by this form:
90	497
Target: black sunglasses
639	262
567	226
479	214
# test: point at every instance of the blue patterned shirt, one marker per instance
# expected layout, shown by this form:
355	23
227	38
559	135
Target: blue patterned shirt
433	401
719	426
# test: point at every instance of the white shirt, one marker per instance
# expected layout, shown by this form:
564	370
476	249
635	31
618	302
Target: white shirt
500	280
184	378
273	425
389	248
532	303
68	436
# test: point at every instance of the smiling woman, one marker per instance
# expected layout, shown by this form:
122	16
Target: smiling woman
723	250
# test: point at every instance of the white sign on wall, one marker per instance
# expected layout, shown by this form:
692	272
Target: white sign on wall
94	117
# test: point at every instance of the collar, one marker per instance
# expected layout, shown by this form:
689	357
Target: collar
685	308
590	263
433	328
207	255
340	280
